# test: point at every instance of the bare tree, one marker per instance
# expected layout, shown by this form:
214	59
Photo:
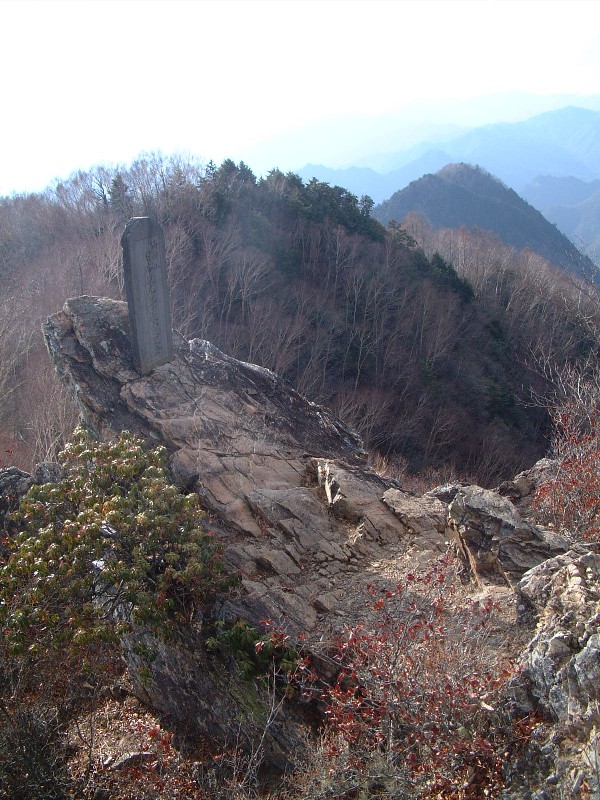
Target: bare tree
248	277
16	341
52	419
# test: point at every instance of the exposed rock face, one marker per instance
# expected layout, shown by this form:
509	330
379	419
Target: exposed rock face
228	425
14	482
520	490
562	662
425	517
286	484
498	544
309	525
13	485
286	480
203	694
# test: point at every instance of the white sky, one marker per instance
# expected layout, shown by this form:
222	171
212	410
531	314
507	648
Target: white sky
99	81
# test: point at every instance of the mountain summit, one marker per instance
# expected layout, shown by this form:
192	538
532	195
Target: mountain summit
465	195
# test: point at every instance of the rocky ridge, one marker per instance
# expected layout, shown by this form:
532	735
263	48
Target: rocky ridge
290	494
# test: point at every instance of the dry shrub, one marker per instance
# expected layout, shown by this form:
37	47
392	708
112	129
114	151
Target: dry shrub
416	709
571	500
32	754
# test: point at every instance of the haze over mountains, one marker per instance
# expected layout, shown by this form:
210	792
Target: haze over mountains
572	205
552	160
562	143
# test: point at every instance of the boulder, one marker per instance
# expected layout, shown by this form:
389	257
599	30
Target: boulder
521	489
424	517
14	483
202	694
357	498
499	545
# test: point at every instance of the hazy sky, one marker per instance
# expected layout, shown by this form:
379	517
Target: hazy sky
99	81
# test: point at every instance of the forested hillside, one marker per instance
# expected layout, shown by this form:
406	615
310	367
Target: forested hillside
462	194
429	356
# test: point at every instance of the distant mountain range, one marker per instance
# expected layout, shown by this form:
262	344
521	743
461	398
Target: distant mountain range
461	194
572	205
542	157
561	143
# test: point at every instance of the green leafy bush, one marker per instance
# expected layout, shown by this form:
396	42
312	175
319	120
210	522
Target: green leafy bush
257	654
112	544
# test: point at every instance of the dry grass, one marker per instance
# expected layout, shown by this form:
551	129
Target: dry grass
121	750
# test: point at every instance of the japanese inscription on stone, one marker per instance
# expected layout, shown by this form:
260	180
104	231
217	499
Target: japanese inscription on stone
146	287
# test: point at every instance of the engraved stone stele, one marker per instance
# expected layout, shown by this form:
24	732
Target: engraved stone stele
147	290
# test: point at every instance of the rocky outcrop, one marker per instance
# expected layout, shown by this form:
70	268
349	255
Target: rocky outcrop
311	528
202	694
563	660
497	542
229	426
561	667
13	485
521	489
285	484
14	482
425	517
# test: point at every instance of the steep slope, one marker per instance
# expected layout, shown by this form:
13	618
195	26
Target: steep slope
313	530
464	195
572	205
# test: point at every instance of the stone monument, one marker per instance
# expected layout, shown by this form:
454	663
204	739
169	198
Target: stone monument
147	290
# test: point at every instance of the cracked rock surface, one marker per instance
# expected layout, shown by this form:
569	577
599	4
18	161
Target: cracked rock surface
289	493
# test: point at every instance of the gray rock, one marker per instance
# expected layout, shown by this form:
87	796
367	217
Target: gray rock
447	492
424	517
128	760
561	664
47	472
498	544
522	487
355	497
14	482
